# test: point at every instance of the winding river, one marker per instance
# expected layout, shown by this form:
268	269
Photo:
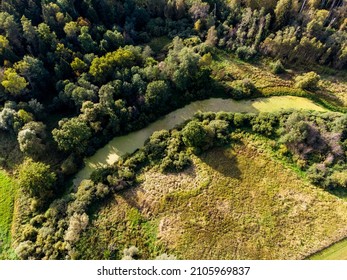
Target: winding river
121	145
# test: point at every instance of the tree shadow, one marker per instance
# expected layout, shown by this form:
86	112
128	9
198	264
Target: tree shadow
340	192
223	161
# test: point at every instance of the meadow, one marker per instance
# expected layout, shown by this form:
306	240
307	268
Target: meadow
7	194
235	202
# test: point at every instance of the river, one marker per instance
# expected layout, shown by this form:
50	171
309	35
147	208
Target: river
121	145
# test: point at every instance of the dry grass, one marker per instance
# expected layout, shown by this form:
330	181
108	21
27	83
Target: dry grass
234	203
333	86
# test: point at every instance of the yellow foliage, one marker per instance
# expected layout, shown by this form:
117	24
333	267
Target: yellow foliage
12	82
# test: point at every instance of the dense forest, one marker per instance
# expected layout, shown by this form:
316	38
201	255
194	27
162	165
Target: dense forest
76	73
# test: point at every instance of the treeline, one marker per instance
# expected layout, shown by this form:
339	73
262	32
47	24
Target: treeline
91	59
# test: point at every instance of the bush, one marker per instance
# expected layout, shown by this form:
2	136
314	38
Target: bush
194	135
317	174
243	88
245	53
31	139
36	178
277	67
308	81
339	179
69	166
264	123
130	253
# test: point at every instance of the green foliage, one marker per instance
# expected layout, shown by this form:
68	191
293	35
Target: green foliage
8	190
194	135
277	67
265	123
79	66
157	93
102	67
4	44
36	178
7	119
243	89
245	53
72	136
308	81
82	71
283	12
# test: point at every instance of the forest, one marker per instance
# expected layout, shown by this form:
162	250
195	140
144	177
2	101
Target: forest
74	74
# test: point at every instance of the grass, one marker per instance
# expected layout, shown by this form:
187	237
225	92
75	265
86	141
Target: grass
234	203
332	87
7	194
337	251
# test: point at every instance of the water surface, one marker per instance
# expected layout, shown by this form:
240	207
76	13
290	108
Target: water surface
121	145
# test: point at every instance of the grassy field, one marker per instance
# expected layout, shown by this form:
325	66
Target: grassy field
332	87
337	251
234	203
7	193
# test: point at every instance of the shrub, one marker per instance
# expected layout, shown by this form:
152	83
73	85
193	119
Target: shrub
245	53
77	223
277	67
317	174
194	134
25	249
308	81
31	139
69	165
264	123
130	253
339	179
243	88
36	178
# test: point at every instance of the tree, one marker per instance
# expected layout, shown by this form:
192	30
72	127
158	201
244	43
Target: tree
307	81
7	116
199	10
277	67
36	178
194	134
282	12
31	139
4	44
212	38
33	70
10	27
112	40
157	94
102	67
71	29
79	66
14	83
86	41
29	31
72	136
48	39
